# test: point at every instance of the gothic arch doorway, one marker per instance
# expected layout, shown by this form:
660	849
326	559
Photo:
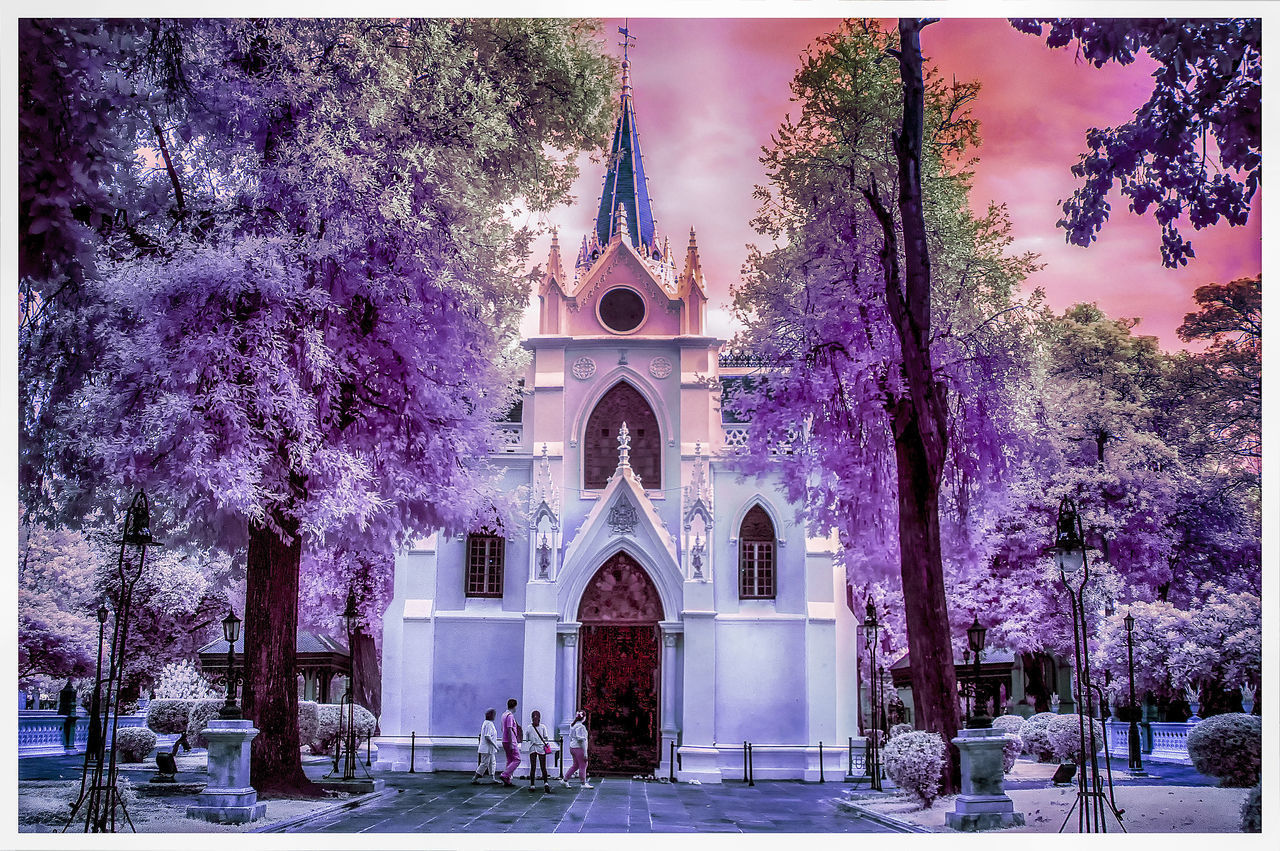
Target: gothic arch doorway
620	667
622	404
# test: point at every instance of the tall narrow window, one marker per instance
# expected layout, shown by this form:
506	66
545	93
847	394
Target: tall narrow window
622	404
484	564
757	565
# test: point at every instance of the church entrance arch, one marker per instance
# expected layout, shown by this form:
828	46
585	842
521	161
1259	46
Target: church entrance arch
620	667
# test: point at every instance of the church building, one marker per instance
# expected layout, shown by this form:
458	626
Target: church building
682	603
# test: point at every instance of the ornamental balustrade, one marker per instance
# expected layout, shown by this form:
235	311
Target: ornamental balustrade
510	437
1168	742
735	438
45	733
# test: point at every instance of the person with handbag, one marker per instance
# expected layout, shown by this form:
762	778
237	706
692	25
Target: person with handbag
578	747
510	742
539	745
488	749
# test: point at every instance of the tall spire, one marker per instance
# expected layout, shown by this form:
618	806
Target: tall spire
624	183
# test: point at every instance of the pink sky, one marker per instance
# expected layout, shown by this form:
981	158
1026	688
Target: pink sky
709	94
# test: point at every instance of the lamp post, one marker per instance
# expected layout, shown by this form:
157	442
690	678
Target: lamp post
1135	745
977	634
1069	552
350	620
99	794
231	632
871	629
967	691
95	703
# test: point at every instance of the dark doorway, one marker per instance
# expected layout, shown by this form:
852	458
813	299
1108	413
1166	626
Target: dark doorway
620	668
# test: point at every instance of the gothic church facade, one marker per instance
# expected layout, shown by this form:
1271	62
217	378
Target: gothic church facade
680	602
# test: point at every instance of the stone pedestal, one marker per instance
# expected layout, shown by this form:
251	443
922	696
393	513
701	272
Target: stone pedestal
228	799
982	803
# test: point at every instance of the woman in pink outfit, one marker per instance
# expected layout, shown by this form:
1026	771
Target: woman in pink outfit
578	747
510	742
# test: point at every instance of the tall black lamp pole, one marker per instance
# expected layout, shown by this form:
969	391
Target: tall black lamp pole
231	632
871	627
1135	745
1069	553
977	634
351	620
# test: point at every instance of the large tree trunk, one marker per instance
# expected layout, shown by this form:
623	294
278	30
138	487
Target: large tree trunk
919	422
366	681
270	646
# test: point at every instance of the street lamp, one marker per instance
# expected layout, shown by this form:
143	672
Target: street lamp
231	632
350	620
100	795
1069	552
1135	745
977	643
871	629
967	691
95	704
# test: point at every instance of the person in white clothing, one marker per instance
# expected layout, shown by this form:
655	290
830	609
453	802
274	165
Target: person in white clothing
488	749
578	747
539	746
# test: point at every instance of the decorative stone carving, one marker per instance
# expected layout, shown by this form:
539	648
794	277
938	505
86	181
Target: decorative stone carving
622	357
623	517
571	639
660	367
583	368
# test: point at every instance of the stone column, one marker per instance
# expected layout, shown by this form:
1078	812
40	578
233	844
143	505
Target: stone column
228	798
569	678
982	803
670	731
699	755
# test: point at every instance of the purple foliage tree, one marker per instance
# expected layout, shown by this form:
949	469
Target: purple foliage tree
1193	151
318	344
890	366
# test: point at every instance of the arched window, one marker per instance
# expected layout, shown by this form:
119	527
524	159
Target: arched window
757	565
622	404
485	552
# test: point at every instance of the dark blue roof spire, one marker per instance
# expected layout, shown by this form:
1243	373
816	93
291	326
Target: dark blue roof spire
624	183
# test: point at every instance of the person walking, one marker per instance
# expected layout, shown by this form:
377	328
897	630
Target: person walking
539	746
578	747
488	749
510	742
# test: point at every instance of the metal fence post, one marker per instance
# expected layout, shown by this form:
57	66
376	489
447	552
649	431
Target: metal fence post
822	771
413	742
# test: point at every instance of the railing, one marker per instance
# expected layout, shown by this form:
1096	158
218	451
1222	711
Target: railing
746	359
45	733
1167	742
735	438
511	437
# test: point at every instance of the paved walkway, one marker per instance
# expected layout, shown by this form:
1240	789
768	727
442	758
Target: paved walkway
446	802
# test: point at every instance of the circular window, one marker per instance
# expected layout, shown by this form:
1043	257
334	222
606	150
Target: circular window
621	310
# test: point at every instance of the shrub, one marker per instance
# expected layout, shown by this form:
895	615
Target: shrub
1064	737
181	681
1008	723
201	712
899	729
134	743
330	719
1251	812
1035	736
308	721
1228	747
168	716
1012	747
914	762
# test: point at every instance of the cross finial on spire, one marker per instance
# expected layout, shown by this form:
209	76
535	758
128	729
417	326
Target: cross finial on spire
627	40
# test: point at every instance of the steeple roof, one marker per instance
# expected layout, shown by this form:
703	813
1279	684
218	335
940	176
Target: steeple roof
624	183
